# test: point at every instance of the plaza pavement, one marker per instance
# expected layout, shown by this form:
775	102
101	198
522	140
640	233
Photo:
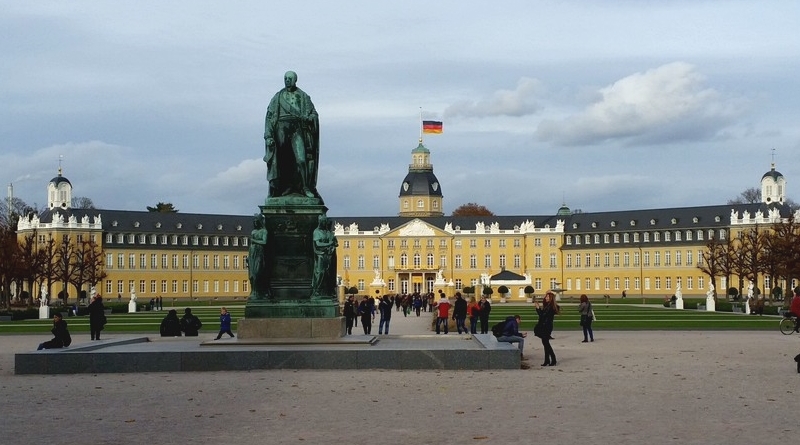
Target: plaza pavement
625	388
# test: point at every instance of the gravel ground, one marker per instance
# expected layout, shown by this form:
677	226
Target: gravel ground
625	388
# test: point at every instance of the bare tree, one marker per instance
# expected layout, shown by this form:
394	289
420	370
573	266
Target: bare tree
87	264
82	202
748	196
713	256
64	266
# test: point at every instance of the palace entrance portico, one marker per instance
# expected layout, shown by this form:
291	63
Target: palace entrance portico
416	281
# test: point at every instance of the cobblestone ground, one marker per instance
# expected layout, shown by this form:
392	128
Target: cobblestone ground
625	388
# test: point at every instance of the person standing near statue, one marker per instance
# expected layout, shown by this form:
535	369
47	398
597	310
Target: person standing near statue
291	135
97	317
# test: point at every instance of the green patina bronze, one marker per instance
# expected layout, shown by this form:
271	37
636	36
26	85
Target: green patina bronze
292	256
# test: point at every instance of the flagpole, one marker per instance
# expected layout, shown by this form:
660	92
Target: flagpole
420	125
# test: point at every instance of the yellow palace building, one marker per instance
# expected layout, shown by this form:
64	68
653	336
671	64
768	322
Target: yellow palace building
203	256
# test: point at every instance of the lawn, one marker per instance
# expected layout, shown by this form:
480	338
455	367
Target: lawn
627	316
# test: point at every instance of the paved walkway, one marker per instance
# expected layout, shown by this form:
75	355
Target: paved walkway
625	388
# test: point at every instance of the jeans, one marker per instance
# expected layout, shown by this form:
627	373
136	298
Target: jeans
587	330
381	324
461	324
473	325
513	339
440	321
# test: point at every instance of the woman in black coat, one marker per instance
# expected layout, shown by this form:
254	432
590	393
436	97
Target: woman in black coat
61	336
97	317
170	325
486	308
547	312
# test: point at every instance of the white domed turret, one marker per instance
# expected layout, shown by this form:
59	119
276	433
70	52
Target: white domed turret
59	192
773	187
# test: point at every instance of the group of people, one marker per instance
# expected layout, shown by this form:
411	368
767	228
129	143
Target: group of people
547	311
366	311
171	326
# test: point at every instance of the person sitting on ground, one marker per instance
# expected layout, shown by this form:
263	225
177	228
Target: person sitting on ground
511	333
190	324
170	325
61	337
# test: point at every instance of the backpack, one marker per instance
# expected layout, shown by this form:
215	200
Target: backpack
498	328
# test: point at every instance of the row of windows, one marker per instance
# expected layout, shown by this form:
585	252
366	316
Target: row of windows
613	260
624	283
162	261
645	237
430	243
421	204
163	239
176	287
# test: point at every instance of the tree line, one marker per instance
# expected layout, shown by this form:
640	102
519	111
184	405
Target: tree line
766	251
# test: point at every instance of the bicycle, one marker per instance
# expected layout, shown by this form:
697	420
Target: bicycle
789	324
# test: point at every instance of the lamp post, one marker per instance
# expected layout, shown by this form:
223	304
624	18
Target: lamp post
641	273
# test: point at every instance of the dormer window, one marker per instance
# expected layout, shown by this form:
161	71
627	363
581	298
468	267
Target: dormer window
633	223
652	222
613	224
695	220
136	224
594	225
179	225
674	221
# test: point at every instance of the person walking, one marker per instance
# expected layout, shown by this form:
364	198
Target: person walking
385	310
460	313
97	317
349	314
485	309
547	312
442	313
190	324
587	316
224	323
364	310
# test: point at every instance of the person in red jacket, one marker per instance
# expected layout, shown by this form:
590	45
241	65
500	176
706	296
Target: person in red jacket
794	308
443	312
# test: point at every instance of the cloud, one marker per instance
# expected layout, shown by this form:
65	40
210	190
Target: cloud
664	104
518	102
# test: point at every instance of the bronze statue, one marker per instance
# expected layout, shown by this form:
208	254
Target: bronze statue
257	259
324	279
291	134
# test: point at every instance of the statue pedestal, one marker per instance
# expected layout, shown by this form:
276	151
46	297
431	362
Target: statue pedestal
305	328
44	312
747	306
710	304
679	303
131	307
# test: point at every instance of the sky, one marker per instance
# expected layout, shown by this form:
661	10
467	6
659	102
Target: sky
602	106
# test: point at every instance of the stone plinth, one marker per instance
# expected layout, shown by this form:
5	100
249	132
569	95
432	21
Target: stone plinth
131	307
253	328
44	312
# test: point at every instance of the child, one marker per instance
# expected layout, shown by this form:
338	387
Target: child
224	323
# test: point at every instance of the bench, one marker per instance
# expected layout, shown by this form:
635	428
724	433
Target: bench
107	311
736	308
5	318
701	307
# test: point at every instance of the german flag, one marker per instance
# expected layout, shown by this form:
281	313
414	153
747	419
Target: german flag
434	127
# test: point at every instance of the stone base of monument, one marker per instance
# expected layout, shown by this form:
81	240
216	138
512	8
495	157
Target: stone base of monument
291	328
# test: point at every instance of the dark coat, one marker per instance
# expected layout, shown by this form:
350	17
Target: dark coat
97	316
170	325
349	309
546	316
61	337
190	325
460	308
